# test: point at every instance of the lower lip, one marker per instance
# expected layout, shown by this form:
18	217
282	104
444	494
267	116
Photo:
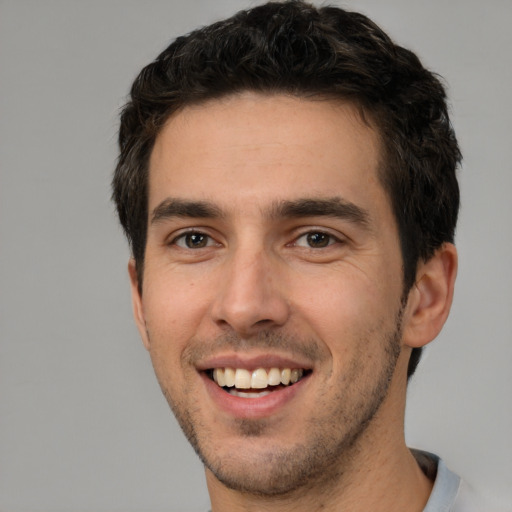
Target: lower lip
249	408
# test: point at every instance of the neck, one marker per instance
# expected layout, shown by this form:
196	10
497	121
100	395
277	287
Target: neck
379	474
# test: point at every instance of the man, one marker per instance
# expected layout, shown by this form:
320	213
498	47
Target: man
287	184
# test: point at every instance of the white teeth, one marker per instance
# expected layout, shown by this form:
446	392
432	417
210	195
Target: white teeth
229	377
248	394
218	377
260	378
274	377
242	379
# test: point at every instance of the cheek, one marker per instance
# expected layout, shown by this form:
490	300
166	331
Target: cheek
343	297
174	309
347	310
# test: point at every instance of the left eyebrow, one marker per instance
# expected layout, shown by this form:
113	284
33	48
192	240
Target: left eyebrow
329	207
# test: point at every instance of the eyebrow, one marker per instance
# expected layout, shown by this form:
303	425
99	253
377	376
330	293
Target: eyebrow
299	208
328	207
184	208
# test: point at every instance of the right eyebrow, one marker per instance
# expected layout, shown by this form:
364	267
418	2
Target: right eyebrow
172	207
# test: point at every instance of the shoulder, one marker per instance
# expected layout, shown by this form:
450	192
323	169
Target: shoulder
450	493
470	501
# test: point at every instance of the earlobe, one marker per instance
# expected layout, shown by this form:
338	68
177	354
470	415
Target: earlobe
430	298
138	310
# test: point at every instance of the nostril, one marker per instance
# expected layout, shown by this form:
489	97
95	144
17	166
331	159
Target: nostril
266	321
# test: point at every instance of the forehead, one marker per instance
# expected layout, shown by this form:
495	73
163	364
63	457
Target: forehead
255	146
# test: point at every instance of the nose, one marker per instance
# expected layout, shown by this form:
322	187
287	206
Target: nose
250	297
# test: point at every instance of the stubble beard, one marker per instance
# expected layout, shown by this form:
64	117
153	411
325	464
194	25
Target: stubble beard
331	445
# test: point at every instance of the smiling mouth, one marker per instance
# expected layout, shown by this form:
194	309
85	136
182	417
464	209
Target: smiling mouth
260	382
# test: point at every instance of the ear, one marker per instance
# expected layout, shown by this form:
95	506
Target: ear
138	309
430	298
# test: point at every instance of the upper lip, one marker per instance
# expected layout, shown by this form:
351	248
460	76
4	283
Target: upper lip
251	362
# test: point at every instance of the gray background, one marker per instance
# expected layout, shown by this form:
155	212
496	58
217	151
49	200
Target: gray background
83	426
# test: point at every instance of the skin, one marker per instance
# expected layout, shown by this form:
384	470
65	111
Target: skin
233	272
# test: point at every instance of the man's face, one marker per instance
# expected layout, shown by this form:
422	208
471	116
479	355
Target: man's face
271	247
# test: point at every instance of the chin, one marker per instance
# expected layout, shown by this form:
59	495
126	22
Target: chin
270	473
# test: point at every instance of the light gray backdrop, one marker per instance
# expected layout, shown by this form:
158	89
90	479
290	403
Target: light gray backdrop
83	426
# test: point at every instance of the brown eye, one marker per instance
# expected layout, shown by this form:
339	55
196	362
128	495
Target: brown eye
318	240
193	240
315	240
